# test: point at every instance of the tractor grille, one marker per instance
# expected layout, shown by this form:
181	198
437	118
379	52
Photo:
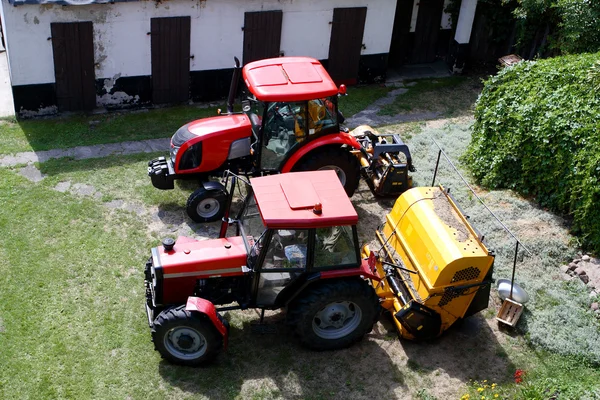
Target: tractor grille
448	296
466	274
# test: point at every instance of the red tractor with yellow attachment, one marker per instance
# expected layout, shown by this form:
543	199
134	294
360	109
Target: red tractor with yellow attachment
289	122
296	247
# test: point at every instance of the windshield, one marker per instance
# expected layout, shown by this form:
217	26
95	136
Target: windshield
252	226
322	114
255	114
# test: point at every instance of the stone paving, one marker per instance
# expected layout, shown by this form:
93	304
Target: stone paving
369	116
83	152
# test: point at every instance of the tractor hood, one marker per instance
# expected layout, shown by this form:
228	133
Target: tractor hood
201	258
206	144
232	126
176	270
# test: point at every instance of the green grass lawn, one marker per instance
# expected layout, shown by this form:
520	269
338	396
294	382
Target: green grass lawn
451	97
360	97
72	321
82	130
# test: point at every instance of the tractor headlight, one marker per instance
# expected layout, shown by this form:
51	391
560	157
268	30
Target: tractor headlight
174	151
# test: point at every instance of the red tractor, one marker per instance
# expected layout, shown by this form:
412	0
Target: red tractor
296	248
290	122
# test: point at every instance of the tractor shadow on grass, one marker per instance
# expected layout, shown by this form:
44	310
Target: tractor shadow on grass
469	350
274	365
172	220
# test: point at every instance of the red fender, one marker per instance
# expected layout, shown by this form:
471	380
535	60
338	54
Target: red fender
363	271
334	138
207	308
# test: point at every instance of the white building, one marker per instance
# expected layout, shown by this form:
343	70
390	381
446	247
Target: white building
81	54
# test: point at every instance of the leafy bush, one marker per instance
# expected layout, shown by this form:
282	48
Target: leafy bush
573	25
537	131
546	26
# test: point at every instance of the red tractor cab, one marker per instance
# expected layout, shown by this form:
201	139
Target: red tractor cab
296	248
290	122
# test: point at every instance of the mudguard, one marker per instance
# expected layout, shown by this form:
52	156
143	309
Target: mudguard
203	306
334	138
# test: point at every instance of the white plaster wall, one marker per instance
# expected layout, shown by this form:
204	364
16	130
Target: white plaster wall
122	46
446	18
445	23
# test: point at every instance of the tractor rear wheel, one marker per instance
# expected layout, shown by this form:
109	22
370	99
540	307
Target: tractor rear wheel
344	164
207	205
334	315
185	338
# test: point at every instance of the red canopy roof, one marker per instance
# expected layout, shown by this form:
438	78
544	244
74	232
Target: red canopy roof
288	79
287	200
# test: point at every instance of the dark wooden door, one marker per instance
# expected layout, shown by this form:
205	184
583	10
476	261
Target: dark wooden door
262	35
400	45
73	50
170	46
346	43
429	21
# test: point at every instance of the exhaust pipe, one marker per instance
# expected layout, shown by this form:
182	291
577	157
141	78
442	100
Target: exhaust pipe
235	79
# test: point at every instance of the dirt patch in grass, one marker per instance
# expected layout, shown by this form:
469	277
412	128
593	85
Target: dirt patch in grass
530	230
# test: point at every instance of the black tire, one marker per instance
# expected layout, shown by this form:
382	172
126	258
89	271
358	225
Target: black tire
342	161
185	338
206	205
353	301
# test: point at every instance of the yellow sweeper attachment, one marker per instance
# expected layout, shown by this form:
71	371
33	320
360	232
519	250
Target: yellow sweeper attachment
434	267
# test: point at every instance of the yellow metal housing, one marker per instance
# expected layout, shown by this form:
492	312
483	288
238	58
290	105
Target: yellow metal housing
425	232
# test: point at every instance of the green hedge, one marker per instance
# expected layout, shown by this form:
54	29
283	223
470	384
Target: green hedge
537	131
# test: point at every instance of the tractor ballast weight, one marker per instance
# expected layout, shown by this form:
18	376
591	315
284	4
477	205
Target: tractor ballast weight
435	266
289	122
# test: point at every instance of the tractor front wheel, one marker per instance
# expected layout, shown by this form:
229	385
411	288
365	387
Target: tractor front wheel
341	161
207	205
185	338
334	315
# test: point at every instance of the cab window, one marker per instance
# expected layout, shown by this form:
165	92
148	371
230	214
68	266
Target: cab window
335	246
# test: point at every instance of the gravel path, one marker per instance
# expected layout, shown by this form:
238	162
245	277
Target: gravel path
83	152
369	116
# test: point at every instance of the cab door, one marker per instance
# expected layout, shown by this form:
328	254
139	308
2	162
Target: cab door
283	129
291	124
283	260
